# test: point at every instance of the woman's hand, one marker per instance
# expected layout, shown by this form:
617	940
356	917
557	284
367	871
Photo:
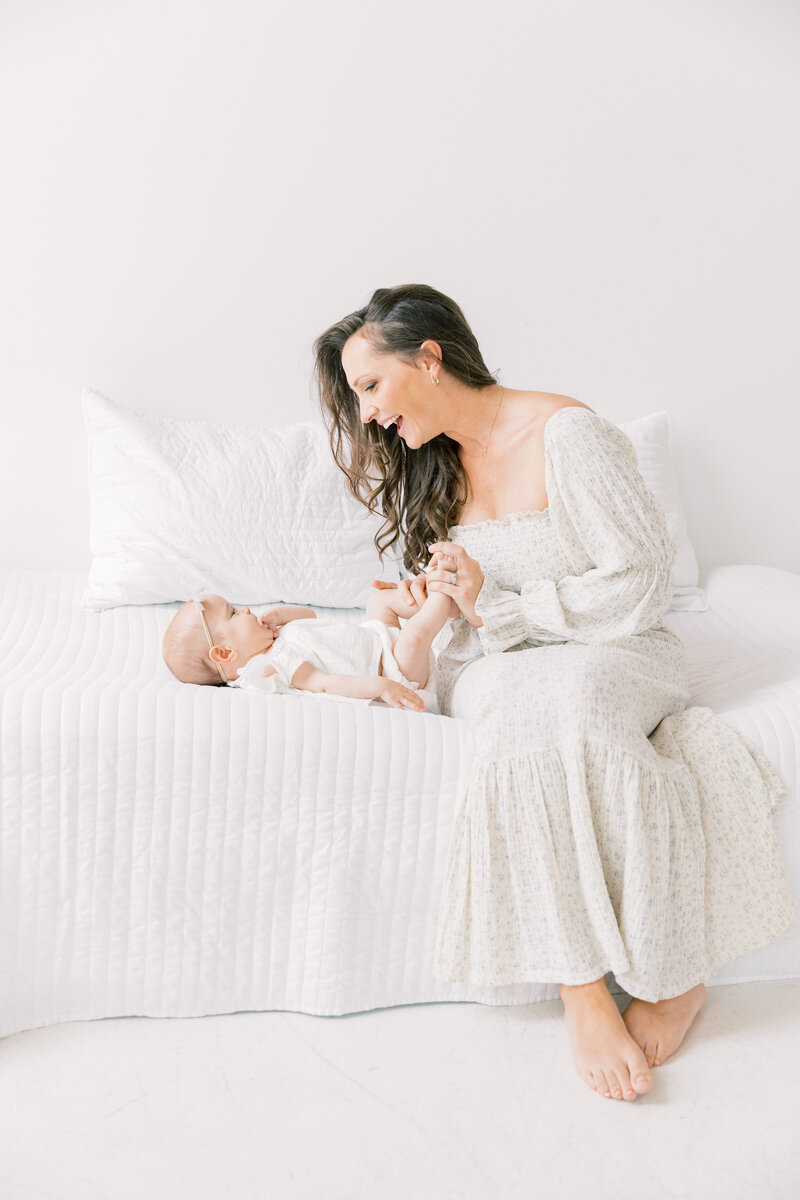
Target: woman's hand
411	592
469	578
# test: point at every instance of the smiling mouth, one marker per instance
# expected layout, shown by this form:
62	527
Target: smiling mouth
396	421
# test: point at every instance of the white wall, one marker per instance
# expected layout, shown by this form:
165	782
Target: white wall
192	191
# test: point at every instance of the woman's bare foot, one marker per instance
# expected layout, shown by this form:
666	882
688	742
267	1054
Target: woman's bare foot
605	1054
660	1027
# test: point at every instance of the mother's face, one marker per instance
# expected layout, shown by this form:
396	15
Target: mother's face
387	387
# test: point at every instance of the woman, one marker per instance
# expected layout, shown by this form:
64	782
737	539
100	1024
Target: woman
606	826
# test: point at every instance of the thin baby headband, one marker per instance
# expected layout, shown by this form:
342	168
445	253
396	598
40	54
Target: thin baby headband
198	603
196	597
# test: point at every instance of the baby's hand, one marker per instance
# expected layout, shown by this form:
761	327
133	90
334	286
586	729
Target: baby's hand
270	619
399	696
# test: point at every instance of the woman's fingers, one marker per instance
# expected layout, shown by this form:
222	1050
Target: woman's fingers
413	591
404	595
419	591
449	548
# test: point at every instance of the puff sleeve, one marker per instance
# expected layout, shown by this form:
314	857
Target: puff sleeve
251	675
614	534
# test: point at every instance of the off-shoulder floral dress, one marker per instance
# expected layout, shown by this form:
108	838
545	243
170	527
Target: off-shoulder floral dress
606	826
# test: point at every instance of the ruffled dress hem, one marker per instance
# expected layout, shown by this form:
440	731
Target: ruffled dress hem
658	870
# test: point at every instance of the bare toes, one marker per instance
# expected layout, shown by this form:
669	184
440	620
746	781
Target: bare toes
626	1087
594	1081
642	1080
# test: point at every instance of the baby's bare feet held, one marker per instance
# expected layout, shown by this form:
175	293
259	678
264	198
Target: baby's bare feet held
406	603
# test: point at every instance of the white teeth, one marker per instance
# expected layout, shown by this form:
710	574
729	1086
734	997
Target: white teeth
391	421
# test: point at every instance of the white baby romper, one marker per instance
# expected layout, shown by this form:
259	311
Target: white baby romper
605	825
338	648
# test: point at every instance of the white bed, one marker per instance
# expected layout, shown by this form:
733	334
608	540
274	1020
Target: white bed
168	850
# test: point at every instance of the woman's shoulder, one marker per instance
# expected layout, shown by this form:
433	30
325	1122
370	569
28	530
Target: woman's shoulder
550	405
574	436
568	421
534	410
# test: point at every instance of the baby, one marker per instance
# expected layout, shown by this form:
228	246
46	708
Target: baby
211	641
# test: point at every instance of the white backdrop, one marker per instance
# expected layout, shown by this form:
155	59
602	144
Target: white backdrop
191	192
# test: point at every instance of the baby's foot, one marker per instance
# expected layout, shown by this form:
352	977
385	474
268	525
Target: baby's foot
445	564
604	1053
660	1027
436	601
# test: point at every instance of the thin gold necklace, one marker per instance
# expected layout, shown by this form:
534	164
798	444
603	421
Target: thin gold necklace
488	444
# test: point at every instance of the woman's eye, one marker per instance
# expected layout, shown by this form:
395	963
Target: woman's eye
369	388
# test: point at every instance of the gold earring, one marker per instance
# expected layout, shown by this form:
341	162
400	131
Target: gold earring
435	381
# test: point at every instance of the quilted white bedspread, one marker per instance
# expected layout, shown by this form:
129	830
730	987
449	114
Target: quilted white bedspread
168	850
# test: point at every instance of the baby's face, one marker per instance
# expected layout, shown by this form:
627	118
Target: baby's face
237	631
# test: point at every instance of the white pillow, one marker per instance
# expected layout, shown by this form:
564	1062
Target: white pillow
262	515
258	515
651	438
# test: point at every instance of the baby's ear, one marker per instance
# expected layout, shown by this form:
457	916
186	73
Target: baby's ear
222	654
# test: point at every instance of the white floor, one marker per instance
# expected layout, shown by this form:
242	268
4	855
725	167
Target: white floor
431	1100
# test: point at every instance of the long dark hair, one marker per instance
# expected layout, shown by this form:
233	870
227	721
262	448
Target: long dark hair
419	491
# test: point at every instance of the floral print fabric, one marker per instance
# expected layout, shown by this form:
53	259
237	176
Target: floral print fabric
606	826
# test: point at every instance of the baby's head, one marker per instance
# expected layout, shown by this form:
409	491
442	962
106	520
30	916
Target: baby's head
235	635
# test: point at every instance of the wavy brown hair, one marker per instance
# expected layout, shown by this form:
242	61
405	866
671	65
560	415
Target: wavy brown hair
419	491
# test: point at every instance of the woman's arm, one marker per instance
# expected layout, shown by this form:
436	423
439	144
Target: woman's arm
609	524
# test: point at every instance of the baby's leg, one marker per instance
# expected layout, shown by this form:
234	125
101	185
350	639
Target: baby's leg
413	646
379	608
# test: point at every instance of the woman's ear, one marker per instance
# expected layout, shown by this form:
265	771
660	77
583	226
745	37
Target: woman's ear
430	354
222	654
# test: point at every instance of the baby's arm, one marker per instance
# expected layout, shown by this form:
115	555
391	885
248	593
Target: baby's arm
281	614
291	612
360	687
